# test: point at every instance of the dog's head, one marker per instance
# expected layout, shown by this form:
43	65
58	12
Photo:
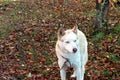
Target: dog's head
68	39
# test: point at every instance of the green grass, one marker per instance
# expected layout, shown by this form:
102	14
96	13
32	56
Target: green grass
99	36
114	58
106	73
117	29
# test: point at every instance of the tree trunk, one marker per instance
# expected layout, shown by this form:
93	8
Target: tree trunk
101	8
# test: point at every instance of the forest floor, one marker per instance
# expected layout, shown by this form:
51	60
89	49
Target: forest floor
28	33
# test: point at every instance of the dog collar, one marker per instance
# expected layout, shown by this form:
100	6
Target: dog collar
67	60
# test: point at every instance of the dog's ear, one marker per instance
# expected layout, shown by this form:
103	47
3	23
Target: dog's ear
74	29
61	32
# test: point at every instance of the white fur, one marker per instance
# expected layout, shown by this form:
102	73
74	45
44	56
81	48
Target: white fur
64	47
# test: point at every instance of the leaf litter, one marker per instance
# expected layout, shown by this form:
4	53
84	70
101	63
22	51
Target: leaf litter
28	34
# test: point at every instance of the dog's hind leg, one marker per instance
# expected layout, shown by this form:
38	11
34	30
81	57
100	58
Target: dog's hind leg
74	74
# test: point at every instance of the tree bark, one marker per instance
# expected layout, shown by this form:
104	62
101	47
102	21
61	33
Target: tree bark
101	8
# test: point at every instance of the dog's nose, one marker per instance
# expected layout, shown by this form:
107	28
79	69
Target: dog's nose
74	50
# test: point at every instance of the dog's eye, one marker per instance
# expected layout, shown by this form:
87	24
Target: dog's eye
67	42
74	40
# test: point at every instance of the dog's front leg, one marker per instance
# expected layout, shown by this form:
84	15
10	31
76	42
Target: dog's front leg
83	71
63	68
78	74
63	73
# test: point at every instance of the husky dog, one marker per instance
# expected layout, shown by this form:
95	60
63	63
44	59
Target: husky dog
71	50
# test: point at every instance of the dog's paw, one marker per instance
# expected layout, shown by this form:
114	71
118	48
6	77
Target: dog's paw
73	76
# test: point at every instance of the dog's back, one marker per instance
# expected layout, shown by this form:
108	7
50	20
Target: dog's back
83	45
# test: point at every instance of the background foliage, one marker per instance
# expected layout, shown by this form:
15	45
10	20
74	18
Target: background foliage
28	36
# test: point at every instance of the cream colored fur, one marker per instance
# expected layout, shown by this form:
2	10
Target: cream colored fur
67	41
